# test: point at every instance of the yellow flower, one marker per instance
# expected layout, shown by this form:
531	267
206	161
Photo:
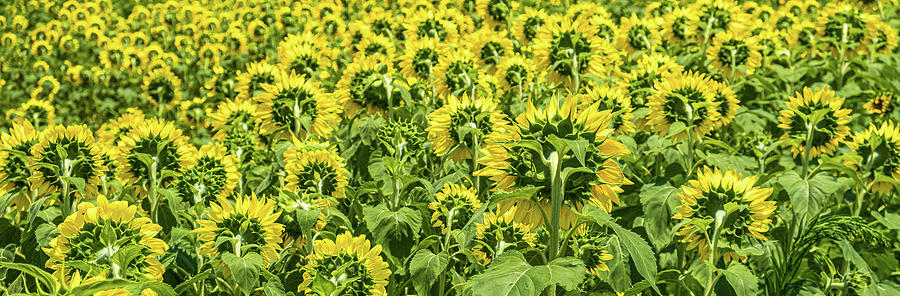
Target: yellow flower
94	234
457	72
15	158
528	24
490	47
308	56
292	103
615	99
66	151
249	83
514	166
745	208
161	143
455	127
567	48
162	87
590	245
827	134
842	25
499	232
112	131
374	45
685	98
880	105
734	53
420	57
248	226
727	100
515	73
879	150
644	77
430	24
214	174
881	37
362	88
496	12
350	263
636	34
454	205
41	113
315	168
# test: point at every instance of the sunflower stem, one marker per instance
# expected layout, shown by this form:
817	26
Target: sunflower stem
154	202
387	81
477	179
808	148
711	263
556	201
575	73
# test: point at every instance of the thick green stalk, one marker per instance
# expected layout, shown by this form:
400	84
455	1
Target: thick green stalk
556	201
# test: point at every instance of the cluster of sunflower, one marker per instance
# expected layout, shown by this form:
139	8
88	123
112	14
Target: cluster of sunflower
236	147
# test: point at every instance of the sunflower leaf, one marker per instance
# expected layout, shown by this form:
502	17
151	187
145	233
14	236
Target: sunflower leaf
742	280
245	270
425	267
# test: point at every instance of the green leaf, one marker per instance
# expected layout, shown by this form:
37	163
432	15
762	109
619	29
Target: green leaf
244	270
579	147
398	230
47	279
851	255
274	288
524	192
808	196
160	288
742	280
511	275
425	267
659	202
637	248
180	289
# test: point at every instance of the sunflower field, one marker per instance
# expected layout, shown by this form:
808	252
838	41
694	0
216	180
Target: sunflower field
449	147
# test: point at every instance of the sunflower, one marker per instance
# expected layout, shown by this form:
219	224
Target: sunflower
499	232
95	233
362	88
742	210
568	48
159	142
496	12
528	24
685	98
716	16
214	174
193	112
455	127
236	115
642	79
881	104
677	26
824	135
297	104
490	47
881	37
842	28
374	45
308	58
636	34
457	72
315	168
41	113
606	27
514	166
249	84
782	21
430	24
734	53
351	265
248	226
727	100
615	99
591	245
878	148
420	57
113	57
62	152
454	205
112	131
162	87
515	72
381	22
15	158
805	37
